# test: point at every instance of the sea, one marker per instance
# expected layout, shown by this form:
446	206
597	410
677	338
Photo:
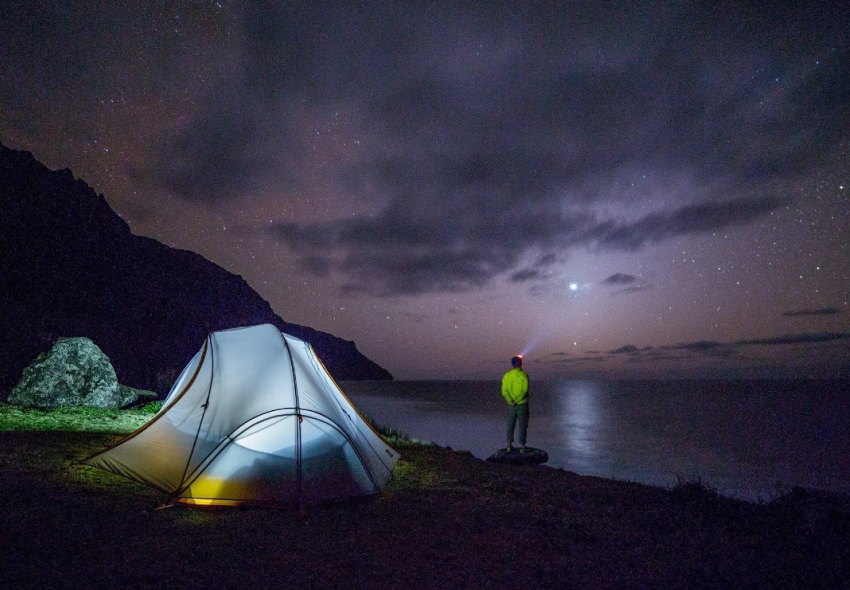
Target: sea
752	440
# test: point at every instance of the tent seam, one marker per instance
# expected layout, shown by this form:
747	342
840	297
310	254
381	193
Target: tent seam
315	358
182	485
298	414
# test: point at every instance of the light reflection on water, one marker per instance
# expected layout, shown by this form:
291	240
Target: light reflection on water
743	438
581	421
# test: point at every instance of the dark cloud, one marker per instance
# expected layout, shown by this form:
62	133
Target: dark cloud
797	339
712	351
711	348
522	276
316	265
692	219
656	357
538	272
218	158
812	312
702	345
707	348
625	349
632	289
620	279
497	132
411	147
244	135
457	247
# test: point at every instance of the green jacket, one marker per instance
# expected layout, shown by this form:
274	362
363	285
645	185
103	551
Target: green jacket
515	386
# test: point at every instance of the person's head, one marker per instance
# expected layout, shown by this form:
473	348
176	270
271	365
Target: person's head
516	361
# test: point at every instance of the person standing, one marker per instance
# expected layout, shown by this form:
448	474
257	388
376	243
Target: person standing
515	392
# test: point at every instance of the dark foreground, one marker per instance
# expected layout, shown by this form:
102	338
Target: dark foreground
447	520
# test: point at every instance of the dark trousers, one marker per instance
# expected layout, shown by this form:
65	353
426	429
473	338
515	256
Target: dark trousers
518	413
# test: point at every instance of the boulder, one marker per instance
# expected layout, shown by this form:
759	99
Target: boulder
531	456
136	397
75	372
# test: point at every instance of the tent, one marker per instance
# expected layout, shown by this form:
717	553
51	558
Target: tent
254	418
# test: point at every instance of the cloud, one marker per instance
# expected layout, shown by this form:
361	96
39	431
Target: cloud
756	354
656	357
522	276
797	339
620	279
692	219
726	350
702	345
456	248
626	349
538	272
561	361
812	312
216	159
708	348
244	134
487	135
632	289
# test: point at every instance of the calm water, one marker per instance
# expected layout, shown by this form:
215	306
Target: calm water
749	439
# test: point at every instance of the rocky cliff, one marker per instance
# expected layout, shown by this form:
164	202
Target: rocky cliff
69	266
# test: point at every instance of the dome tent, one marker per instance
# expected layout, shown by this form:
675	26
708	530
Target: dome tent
254	418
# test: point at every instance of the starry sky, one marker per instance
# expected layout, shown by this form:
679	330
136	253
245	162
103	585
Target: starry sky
614	189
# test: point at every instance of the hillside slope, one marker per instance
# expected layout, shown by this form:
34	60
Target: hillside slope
69	266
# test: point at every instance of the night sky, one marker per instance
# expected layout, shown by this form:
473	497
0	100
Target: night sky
659	190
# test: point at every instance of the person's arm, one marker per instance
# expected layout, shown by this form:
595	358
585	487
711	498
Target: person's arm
506	393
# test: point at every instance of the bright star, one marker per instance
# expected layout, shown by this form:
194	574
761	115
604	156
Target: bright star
573	286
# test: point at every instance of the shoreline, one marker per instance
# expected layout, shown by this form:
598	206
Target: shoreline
751	442
445	517
121	422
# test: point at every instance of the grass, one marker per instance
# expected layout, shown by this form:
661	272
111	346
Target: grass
693	487
76	419
391	434
445	520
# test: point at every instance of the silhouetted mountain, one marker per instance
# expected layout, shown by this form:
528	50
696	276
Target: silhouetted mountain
69	266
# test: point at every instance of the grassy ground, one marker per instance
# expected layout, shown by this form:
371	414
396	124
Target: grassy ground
76	419
446	520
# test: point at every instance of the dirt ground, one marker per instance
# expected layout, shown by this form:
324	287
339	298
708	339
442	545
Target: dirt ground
446	520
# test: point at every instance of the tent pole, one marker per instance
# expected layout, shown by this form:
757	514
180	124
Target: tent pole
298	417
201	421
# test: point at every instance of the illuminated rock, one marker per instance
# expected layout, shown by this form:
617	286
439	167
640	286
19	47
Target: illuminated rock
75	372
